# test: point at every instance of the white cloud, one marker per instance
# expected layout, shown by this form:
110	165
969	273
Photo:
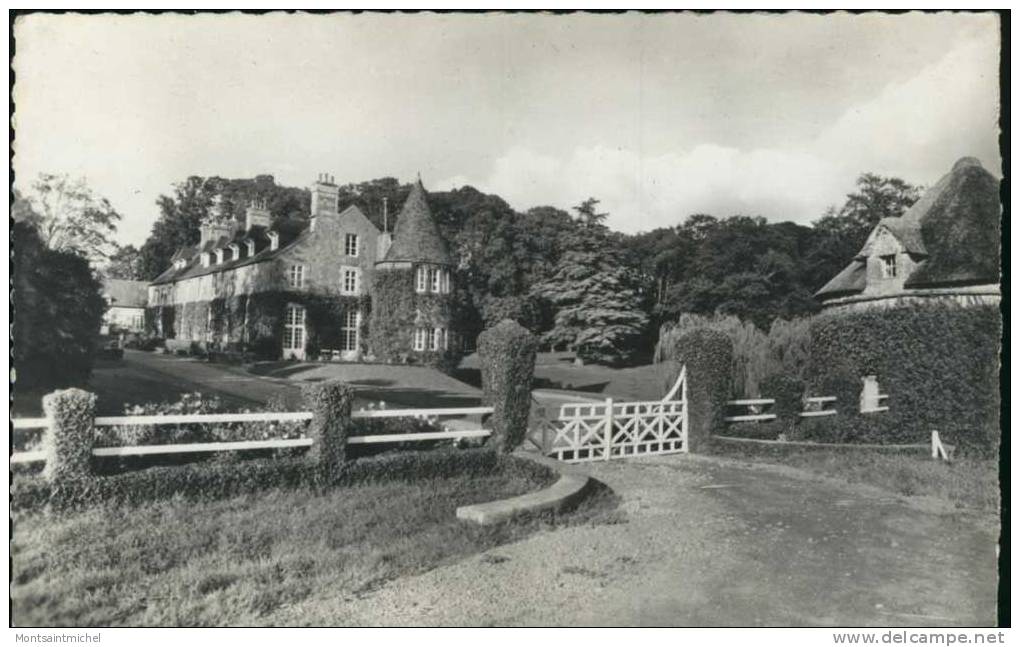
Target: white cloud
914	130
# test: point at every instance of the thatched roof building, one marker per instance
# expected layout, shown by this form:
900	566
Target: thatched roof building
947	246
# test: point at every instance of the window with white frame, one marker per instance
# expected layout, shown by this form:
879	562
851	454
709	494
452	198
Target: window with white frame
419	338
351	244
888	266
421	279
435	279
296	276
294	328
446	281
350	280
349	331
438	339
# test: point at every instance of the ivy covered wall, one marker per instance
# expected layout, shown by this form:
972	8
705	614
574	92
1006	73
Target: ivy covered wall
398	310
254	322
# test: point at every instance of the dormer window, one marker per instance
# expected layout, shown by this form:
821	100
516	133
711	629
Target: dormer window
206	259
219	255
235	251
250	244
888	266
274	240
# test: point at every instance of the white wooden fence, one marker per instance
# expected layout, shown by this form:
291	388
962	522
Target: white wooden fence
590	431
272	416
814	407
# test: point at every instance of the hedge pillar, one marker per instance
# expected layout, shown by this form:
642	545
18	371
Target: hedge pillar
507	352
330	403
69	438
708	356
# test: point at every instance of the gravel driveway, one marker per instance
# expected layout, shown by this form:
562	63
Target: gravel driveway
710	541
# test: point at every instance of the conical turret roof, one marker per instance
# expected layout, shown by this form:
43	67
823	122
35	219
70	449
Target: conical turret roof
416	237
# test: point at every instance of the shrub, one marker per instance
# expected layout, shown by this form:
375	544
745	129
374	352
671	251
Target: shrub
196	403
330	403
939	364
68	441
788	392
507	352
212	481
708	355
784	350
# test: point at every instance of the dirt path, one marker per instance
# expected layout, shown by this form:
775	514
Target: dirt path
710	542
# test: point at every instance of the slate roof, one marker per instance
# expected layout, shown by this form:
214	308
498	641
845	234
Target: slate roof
126	294
954	228
416	237
290	231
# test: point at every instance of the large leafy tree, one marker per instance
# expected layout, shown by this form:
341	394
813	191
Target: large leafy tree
69	216
181	214
58	309
595	294
125	263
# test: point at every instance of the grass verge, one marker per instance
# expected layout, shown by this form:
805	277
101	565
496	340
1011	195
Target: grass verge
967	482
238	560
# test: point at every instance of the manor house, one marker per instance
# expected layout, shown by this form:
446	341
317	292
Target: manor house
307	288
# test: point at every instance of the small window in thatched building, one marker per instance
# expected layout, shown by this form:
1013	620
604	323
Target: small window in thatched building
888	266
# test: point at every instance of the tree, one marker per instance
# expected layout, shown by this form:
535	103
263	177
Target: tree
588	216
58	308
125	263
595	295
181	214
69	217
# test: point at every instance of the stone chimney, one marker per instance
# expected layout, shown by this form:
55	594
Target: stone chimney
217	223
325	195
257	215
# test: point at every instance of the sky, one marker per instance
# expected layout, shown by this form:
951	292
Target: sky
659	116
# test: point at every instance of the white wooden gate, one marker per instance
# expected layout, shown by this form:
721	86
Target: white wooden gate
591	431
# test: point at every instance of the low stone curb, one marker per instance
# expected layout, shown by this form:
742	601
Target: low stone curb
560	495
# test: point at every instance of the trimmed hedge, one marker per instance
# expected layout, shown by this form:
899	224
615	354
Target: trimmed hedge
788	392
330	403
507	352
68	442
216	480
939	364
708	356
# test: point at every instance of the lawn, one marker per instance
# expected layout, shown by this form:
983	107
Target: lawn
237	561
557	371
966	483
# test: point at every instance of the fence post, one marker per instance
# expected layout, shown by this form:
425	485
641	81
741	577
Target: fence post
330	403
68	440
609	429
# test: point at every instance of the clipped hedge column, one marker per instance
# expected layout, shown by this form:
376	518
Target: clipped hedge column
507	352
68	440
330	403
708	356
788	392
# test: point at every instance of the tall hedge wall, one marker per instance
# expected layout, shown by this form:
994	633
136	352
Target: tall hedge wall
939	364
398	310
708	356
